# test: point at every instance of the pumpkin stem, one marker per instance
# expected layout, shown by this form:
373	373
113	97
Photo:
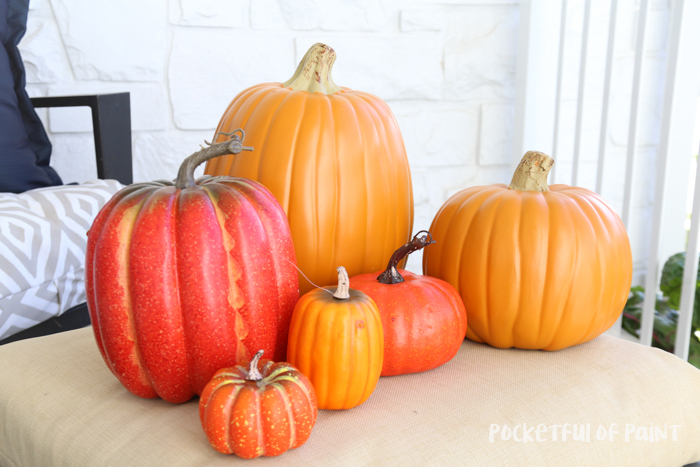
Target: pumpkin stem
185	176
391	275
531	174
314	72
342	292
253	372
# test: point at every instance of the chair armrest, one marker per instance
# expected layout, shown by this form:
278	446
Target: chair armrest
111	123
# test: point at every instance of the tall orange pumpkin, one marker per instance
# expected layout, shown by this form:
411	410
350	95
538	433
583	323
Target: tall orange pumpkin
335	160
538	267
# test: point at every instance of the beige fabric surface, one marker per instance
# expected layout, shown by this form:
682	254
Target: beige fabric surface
60	406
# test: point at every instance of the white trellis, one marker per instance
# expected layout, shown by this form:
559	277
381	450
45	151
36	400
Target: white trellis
540	74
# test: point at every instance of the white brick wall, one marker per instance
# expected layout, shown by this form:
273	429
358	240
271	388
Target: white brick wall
446	68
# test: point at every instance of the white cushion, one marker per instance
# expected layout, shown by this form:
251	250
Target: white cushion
42	250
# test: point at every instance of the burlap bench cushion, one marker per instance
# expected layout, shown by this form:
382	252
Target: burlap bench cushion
60	406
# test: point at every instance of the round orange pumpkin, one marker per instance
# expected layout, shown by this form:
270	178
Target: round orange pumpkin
538	267
423	317
335	160
336	339
253	412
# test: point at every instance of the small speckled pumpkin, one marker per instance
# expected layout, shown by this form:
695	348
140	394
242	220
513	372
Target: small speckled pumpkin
253	412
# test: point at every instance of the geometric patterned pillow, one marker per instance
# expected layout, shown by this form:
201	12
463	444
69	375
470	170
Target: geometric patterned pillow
42	250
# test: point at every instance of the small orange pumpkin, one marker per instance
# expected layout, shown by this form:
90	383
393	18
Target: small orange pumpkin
538	266
336	339
253	412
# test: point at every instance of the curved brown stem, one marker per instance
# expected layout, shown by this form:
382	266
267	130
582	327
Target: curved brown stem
253	372
391	275
185	176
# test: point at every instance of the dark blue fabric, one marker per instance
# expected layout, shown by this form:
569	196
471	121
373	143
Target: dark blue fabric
25	149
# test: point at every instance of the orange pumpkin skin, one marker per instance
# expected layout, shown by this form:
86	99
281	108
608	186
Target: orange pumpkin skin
536	270
423	318
338	345
258	418
337	165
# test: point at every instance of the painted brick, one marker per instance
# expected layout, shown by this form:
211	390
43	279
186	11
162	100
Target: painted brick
205	74
436	135
108	41
267	14
480	53
496	134
41	52
158	155
209	13
355	15
391	67
422	19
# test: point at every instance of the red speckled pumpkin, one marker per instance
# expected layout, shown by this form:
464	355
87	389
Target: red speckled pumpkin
186	278
253	412
423	318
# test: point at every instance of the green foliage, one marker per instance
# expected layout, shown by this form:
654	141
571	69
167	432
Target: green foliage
666	310
671	282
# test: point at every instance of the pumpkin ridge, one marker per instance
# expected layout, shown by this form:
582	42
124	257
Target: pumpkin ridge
294	159
471	197
366	205
438	247
97	229
390	238
369	385
250	190
551	257
602	230
599	266
261	450
544	283
499	198
128	220
315	374
273	98
235	296
227	411
531	201
325	109
518	235
487	195
271	118
155	300
564	311
183	318
290	415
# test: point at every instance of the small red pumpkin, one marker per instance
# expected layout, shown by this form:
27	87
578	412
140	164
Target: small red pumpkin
423	317
185	277
253	412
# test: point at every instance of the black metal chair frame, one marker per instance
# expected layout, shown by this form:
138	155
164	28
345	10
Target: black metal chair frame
111	123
